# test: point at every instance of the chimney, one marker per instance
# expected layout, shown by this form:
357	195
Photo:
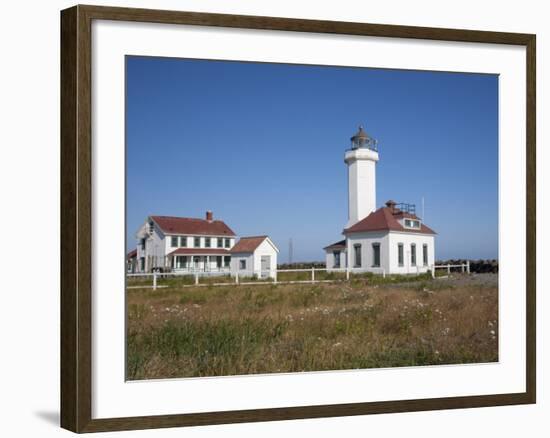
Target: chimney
209	216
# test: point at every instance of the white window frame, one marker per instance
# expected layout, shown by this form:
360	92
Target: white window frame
376	245
413	224
337	255
425	254
400	254
357	246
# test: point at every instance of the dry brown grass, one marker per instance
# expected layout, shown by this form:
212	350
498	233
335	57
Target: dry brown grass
230	330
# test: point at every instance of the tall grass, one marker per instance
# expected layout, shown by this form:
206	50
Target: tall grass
229	330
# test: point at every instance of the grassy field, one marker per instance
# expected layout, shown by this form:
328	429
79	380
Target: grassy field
364	323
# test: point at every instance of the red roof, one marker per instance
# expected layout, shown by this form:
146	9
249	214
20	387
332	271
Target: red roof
248	244
187	225
200	251
385	219
337	245
132	254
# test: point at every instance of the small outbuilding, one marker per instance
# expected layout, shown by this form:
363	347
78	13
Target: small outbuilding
254	256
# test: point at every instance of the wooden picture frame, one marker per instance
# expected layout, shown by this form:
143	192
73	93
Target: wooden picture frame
76	218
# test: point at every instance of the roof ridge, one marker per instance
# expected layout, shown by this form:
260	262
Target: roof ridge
254	237
185	225
183	217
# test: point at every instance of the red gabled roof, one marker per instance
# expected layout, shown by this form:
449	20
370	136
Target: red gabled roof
187	225
199	251
247	244
385	219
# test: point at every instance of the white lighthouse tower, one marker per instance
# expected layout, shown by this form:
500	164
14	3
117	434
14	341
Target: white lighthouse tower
361	160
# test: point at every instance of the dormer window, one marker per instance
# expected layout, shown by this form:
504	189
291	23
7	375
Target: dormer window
411	223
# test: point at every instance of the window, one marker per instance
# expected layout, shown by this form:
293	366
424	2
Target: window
226	262
400	258
207	242
376	255
242	264
183	241
409	223
357	253
197	242
180	261
174	242
227	243
413	254
336	259
143	244
219	261
220	242
425	254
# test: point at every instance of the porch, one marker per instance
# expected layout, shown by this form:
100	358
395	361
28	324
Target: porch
200	263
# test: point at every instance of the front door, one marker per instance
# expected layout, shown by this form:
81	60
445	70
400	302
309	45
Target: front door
265	265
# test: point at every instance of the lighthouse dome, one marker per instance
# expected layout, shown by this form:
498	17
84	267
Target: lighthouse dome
363	140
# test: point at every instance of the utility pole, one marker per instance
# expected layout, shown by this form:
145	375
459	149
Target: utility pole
290	251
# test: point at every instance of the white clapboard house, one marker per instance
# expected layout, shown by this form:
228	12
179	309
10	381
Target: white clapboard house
391	238
190	245
254	256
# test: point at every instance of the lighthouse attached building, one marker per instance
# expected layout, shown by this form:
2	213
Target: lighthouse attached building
391	239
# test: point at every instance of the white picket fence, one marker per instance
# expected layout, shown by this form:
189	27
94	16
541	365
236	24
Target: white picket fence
271	277
465	268
247	277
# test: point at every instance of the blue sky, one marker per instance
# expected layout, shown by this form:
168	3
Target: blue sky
262	145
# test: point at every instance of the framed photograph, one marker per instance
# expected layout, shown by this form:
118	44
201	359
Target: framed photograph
271	218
